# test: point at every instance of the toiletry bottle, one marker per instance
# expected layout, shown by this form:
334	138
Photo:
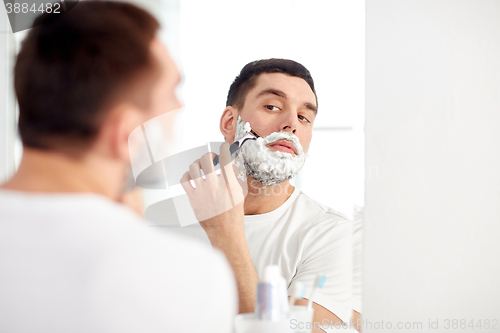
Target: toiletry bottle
272	300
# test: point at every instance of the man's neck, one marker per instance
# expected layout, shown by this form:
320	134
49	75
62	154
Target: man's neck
263	199
49	171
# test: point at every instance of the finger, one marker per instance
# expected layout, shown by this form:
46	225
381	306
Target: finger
207	165
226	163
194	171
235	189
225	156
186	183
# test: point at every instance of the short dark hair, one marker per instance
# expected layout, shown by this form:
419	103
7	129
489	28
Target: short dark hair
73	67
245	81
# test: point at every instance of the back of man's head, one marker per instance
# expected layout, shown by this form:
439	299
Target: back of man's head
72	68
246	80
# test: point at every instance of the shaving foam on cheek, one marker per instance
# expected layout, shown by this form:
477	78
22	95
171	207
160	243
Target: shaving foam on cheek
247	127
268	166
241	129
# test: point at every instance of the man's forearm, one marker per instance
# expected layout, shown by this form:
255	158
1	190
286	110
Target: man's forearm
234	244
225	230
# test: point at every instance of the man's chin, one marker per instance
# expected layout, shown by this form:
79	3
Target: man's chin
267	178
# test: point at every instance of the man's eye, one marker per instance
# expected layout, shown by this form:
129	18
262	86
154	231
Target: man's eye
303	118
272	107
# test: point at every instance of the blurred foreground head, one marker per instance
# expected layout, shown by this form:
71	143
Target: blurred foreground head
88	77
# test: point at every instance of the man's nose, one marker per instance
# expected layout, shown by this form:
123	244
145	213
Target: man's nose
290	122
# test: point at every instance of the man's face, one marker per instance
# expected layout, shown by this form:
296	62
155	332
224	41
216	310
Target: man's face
280	102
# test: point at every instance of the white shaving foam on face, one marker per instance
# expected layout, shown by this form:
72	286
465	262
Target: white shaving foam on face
269	167
241	129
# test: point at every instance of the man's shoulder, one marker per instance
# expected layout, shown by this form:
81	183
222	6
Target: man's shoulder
126	266
90	219
307	216
320	212
104	235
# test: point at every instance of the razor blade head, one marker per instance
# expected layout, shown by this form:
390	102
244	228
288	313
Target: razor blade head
254	133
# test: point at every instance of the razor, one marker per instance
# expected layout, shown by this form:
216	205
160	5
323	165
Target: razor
235	146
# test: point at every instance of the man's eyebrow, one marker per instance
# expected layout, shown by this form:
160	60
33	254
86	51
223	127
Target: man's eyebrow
272	91
311	107
282	94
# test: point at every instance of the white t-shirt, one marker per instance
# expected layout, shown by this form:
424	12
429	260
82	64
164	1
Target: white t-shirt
82	263
303	237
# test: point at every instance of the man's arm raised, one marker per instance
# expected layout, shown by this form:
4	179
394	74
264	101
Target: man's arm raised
217	201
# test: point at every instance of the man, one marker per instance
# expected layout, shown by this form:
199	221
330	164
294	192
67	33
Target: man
73	259
277	223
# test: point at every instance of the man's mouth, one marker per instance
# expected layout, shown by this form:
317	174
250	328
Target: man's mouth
283	146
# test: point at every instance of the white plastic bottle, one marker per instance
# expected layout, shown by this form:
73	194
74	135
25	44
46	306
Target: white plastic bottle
272	300
272	313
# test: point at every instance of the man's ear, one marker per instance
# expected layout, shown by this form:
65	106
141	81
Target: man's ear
116	129
228	123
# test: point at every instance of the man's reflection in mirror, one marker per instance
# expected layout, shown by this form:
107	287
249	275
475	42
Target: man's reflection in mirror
278	224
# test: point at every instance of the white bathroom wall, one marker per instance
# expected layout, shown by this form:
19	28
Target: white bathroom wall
432	229
217	38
